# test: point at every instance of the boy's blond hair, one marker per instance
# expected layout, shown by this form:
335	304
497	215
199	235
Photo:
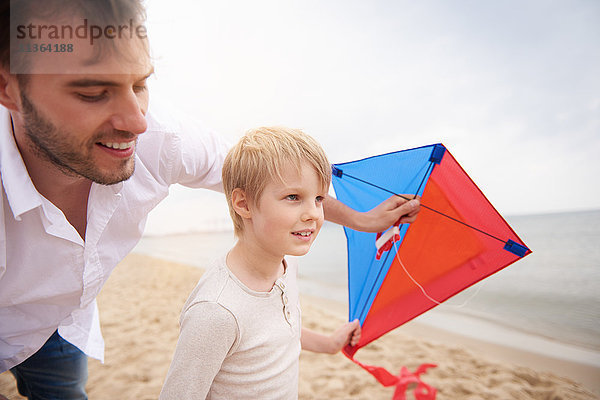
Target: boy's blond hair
260	155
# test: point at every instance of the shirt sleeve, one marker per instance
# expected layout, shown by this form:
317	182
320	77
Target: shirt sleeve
208	333
178	148
200	152
2	233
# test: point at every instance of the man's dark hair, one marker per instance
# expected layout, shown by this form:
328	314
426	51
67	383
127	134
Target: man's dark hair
5	33
101	12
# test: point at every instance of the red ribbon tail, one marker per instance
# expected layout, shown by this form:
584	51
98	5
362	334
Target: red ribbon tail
422	391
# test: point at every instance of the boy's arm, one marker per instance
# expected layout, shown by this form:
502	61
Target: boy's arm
377	219
349	333
208	332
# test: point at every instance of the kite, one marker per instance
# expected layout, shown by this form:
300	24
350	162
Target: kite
457	240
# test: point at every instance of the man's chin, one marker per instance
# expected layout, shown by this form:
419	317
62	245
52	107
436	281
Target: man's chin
112	181
112	177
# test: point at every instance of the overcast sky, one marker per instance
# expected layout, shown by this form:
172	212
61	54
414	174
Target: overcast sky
512	88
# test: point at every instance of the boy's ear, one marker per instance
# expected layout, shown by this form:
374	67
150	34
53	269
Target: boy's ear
240	203
9	90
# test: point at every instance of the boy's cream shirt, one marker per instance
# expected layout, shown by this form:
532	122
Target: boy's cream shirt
236	343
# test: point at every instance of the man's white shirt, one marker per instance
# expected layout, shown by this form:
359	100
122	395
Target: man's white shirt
50	276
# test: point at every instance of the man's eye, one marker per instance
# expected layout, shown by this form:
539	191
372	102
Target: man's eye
92	98
140	88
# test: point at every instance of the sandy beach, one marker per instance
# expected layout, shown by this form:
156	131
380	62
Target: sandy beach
139	309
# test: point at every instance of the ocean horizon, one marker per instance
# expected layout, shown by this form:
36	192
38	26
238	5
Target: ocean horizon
551	294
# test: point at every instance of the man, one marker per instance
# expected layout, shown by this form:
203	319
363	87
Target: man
82	162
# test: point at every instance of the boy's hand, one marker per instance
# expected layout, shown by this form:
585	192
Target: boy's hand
349	333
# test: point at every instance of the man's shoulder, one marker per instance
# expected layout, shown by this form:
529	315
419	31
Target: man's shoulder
176	133
166	118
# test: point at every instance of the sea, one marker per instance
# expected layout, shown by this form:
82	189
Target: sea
553	294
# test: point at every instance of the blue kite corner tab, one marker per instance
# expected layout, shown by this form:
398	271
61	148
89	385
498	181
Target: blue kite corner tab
437	153
336	171
515	248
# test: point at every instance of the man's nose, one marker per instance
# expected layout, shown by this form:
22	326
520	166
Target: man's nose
129	114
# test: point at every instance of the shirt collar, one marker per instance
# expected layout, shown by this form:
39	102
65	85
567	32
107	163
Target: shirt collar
20	192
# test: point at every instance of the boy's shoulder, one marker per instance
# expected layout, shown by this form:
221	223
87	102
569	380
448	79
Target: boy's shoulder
211	283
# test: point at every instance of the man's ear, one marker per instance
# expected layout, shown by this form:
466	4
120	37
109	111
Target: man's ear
240	203
9	90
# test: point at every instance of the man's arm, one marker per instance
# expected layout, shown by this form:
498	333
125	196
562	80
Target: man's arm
377	219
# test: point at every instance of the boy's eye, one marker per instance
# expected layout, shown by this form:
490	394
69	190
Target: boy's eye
293	197
320	199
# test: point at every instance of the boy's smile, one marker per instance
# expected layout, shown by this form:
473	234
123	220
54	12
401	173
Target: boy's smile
304	235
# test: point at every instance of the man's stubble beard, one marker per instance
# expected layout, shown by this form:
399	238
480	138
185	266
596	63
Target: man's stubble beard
72	159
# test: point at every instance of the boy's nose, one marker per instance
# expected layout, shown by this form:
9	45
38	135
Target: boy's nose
312	212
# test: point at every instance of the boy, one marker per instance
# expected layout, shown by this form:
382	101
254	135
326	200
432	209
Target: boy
240	328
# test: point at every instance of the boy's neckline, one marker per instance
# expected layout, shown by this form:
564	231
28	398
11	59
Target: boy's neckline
254	280
280	284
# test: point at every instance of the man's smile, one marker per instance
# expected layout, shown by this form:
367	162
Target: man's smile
118	145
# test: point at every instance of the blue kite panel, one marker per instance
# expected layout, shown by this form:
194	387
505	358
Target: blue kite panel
402	172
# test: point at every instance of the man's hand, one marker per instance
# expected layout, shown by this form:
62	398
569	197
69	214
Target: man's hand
378	219
394	209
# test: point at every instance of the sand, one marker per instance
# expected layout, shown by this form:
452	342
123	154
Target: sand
140	306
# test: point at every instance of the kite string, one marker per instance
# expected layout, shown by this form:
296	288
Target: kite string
425	292
426	207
